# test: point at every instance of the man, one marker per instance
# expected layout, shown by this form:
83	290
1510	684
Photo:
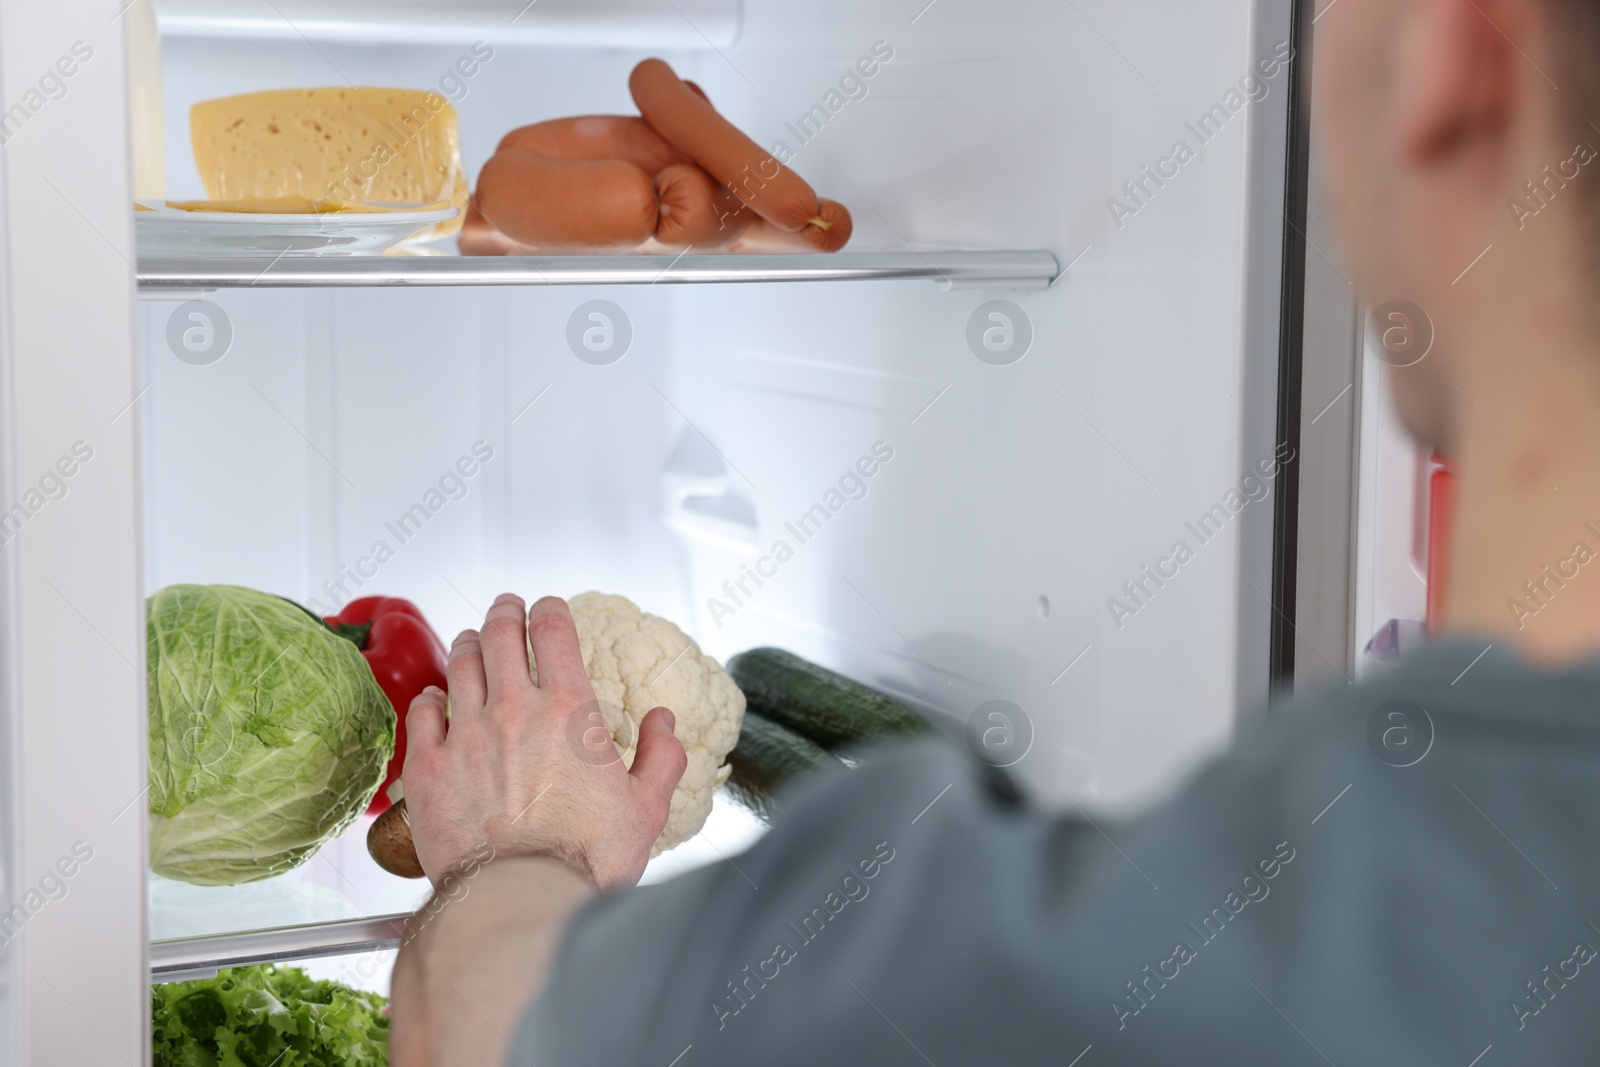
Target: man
1406	872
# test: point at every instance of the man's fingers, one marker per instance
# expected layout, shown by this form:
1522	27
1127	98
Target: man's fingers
425	730
658	762
468	690
425	721
555	647
504	638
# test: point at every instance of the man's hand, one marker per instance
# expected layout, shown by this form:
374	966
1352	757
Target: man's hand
522	767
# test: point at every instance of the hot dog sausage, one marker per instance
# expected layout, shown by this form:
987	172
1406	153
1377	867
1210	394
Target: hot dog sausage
750	172
563	209
833	232
696	211
478	238
562	203
624	137
763	236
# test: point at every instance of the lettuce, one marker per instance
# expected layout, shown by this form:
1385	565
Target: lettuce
266	1017
268	734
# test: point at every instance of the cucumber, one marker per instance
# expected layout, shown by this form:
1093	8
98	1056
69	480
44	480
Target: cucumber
767	757
828	708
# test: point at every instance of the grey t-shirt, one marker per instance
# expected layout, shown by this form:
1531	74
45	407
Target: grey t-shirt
1405	872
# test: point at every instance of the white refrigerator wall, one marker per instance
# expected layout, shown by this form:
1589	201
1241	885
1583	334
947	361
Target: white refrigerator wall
983	558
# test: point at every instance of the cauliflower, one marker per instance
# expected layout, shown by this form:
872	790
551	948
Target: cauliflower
637	661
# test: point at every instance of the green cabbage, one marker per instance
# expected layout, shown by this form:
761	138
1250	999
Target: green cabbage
268	734
266	1017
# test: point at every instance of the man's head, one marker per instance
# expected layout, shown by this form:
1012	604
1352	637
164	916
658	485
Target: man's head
1440	119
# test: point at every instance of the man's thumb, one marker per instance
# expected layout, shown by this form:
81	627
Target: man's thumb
659	760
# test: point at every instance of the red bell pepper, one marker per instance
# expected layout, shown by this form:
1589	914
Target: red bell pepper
406	657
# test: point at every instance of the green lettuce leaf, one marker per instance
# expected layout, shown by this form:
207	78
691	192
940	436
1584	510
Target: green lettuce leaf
266	1017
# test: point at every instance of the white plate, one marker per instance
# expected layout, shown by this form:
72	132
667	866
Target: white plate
168	232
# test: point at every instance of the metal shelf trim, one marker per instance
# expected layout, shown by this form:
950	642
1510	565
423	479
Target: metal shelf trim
192	956
986	269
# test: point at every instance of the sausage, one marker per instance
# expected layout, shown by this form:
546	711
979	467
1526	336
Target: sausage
750	172
759	236
478	238
624	137
696	211
833	230
688	120
563	203
762	236
526	201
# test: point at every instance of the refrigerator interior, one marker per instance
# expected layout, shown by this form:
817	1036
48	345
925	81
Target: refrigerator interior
1010	507
1392	528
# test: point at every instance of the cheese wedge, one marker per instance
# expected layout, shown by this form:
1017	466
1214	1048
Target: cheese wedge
343	144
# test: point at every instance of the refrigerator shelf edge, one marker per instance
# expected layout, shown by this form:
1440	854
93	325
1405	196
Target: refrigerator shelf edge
196	957
1032	269
700	25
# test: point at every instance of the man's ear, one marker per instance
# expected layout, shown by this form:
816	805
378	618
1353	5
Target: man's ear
1455	81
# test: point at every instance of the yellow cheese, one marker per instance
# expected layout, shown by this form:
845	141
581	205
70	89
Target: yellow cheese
343	144
296	205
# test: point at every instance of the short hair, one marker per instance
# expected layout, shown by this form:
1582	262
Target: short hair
1575	32
1574	27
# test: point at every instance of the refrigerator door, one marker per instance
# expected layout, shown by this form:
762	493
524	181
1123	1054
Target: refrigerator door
71	613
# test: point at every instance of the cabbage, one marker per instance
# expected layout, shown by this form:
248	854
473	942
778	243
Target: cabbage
268	734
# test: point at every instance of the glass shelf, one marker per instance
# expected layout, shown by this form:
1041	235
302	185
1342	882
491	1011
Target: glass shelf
340	904
183	958
1034	269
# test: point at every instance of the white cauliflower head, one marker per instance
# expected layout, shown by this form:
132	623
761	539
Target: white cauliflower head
637	661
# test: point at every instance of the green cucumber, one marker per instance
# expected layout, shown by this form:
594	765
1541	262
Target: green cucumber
830	709
767	758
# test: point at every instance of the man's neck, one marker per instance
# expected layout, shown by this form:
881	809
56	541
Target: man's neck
1526	558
